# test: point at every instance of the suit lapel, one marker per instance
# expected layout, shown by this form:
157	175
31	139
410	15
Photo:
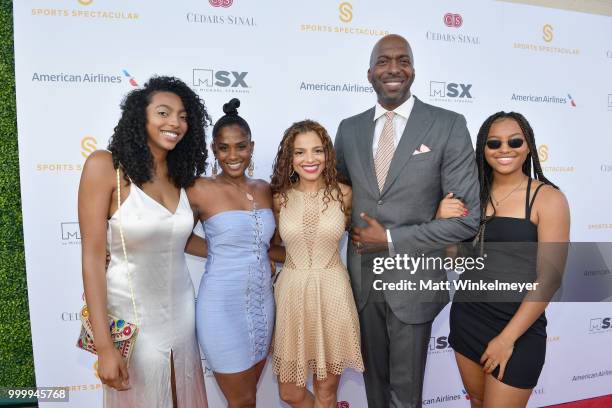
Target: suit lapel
419	122
365	140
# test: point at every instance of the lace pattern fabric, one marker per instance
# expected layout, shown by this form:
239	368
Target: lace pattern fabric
317	328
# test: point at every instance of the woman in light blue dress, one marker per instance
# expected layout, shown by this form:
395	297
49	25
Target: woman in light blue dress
235	306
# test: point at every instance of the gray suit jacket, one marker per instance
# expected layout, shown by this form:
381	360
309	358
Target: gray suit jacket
408	202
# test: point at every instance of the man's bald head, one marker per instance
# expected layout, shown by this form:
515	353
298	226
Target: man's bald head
389	39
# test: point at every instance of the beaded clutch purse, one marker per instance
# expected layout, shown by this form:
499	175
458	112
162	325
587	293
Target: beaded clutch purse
122	333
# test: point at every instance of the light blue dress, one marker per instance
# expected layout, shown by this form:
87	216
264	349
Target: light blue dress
235	305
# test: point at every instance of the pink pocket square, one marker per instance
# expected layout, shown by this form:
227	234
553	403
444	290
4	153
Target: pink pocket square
421	149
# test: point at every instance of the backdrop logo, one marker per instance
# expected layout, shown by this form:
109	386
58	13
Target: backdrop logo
546	47
606	168
465	394
547	32
453	20
70	233
439	345
610	102
345	15
87	14
346	87
343	404
88	145
543	153
209	80
592	375
86	78
71	316
346	12
599	325
450	92
439	399
221	3
546	99
84	387
130	78
455	36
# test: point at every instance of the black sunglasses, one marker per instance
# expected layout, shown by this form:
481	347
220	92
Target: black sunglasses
515	143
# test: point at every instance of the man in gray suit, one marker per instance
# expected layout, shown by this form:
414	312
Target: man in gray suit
401	157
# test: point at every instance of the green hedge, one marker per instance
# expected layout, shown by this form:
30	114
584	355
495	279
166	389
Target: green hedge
16	362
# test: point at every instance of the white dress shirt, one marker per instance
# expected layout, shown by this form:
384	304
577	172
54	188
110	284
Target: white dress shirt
402	113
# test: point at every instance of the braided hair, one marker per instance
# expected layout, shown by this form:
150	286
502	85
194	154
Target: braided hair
485	172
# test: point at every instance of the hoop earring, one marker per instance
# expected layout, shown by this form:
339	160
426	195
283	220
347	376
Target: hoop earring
251	168
292	174
215	170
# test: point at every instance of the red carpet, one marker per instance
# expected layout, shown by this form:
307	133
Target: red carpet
599	402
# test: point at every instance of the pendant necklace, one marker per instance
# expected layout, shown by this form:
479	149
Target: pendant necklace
248	195
499	202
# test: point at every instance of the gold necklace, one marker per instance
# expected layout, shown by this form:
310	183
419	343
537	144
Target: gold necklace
499	202
248	195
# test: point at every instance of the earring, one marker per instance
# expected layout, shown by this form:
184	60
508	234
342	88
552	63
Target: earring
214	170
292	174
251	168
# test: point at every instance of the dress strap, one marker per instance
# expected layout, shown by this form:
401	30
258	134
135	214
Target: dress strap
527	206
535	193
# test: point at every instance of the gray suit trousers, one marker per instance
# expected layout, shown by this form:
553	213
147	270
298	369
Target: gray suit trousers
394	354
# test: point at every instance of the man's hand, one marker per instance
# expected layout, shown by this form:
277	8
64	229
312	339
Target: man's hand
373	234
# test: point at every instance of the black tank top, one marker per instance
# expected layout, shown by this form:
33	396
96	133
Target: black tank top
510	229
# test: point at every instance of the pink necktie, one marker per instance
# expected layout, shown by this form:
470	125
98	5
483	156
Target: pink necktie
385	150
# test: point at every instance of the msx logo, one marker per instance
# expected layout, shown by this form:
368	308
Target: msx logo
70	231
438	343
222	79
600	324
449	90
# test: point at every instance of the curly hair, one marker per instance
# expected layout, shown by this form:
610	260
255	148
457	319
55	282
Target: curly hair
129	141
485	172
283	175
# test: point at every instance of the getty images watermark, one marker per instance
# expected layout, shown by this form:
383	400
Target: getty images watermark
410	264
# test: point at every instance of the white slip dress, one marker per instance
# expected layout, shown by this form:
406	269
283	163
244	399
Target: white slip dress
155	241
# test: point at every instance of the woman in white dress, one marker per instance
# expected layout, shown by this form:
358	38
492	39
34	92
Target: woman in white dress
157	149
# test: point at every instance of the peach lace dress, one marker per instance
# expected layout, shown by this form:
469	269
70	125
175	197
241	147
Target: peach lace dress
317	327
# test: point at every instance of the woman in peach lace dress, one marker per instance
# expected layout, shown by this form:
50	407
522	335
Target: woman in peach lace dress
317	328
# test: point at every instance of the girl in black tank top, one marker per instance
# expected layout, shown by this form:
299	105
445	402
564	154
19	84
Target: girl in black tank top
500	347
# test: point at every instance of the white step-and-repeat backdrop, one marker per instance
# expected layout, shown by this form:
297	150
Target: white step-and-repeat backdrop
75	59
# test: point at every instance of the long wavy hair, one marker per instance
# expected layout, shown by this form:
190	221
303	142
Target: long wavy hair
283	175
129	141
485	171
